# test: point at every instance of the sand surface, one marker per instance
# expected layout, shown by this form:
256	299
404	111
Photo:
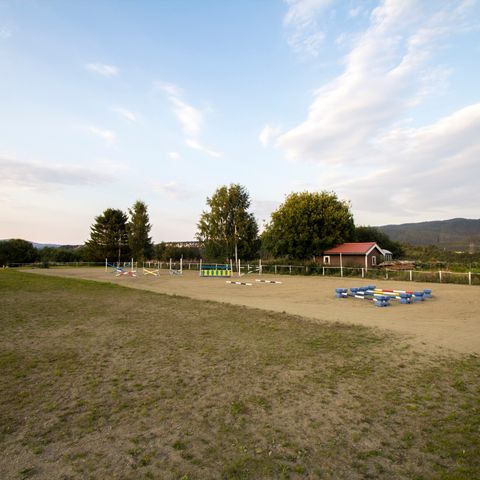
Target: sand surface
449	321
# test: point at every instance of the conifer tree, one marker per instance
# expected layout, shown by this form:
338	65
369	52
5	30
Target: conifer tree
139	227
108	237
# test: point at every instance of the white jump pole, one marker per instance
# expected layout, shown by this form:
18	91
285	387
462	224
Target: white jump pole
200	269
260	266
131	269
181	264
170	265
231	267
106	265
239	266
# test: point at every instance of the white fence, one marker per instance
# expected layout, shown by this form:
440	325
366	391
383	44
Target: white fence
258	268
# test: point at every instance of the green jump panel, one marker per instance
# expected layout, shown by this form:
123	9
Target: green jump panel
216	273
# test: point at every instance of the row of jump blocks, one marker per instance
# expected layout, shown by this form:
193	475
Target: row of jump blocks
381	297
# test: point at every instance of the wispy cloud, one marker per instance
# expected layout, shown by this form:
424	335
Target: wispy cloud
108	136
103	69
126	114
385	74
174	190
358	126
5	33
21	174
191	119
301	21
196	145
268	134
174	156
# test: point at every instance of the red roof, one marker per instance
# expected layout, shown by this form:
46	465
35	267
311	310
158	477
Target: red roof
357	248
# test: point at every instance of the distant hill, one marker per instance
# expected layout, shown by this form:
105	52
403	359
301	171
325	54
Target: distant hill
39	246
459	234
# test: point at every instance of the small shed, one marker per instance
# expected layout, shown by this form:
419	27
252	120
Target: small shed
388	255
357	254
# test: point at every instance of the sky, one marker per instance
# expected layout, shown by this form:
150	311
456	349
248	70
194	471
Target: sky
107	102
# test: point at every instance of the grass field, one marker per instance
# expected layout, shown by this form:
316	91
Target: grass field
102	381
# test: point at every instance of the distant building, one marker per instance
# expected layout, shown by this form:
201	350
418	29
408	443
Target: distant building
359	254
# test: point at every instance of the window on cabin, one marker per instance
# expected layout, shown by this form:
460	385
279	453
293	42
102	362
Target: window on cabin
374	260
326	260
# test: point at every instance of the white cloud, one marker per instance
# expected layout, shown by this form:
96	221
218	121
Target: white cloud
431	172
304	12
108	136
385	74
190	118
358	127
301	21
174	190
103	69
127	114
174	156
5	33
196	145
268	133
21	174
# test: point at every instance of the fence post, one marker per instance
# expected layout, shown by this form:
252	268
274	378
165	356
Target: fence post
411	277
275	269
323	271
469	278
386	274
290	269
341	271
440	275
363	273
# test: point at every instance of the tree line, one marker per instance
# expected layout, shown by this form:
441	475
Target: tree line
303	226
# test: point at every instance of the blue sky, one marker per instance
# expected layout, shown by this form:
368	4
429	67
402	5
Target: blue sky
106	102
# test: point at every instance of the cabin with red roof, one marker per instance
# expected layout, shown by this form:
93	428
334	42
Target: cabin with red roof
358	254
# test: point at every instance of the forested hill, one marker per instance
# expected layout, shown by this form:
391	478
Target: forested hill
460	234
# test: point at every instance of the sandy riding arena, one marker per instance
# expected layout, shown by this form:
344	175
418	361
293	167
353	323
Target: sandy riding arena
449	321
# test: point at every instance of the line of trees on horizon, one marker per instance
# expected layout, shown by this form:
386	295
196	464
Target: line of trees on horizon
303	226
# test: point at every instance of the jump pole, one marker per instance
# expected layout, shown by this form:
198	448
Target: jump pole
200	270
106	265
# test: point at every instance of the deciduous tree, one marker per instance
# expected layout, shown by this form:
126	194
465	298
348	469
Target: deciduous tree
228	225
17	251
306	224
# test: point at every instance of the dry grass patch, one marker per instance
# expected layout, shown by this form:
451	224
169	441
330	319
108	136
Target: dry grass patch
100	381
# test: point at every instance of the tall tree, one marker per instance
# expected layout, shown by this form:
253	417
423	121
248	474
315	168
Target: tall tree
228	228
139	228
108	237
372	234
306	224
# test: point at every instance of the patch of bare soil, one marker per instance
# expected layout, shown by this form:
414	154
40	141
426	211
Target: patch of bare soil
450	320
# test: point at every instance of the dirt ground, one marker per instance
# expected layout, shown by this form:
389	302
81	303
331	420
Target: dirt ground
449	321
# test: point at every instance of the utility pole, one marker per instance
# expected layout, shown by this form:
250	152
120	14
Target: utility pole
236	250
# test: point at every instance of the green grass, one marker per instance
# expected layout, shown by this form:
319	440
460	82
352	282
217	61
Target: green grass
101	381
